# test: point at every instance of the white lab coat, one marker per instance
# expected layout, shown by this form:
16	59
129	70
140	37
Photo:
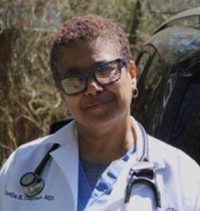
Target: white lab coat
178	178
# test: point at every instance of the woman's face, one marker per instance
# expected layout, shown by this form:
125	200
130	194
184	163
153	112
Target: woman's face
97	105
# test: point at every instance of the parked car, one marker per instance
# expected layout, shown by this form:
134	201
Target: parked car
168	105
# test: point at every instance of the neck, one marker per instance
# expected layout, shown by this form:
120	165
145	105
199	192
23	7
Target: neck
106	144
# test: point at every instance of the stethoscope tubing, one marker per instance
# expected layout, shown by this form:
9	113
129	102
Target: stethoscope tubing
44	161
143	172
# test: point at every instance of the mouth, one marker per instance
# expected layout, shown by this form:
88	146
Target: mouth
97	103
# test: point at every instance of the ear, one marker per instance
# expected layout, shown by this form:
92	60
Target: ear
133	69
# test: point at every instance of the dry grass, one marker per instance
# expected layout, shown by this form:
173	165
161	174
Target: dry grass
29	102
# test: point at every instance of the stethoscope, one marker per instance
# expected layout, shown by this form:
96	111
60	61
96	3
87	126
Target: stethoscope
143	172
32	182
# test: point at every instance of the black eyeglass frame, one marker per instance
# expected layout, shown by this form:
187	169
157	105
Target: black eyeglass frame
87	75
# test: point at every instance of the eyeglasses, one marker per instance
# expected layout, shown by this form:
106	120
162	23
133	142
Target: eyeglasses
73	82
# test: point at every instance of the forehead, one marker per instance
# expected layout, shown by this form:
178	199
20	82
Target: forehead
84	54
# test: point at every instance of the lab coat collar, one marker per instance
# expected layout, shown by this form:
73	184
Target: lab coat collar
66	156
154	158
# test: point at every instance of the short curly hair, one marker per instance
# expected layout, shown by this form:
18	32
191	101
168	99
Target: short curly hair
88	28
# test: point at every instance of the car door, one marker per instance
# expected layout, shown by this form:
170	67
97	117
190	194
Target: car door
148	107
181	118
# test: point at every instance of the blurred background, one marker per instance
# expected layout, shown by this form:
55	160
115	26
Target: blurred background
29	101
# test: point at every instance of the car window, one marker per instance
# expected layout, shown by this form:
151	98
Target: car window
144	59
142	64
149	105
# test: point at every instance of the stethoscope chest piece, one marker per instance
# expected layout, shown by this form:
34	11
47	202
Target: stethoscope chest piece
32	184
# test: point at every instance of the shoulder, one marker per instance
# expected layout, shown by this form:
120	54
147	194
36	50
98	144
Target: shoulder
170	155
23	154
24	157
30	154
41	145
180	173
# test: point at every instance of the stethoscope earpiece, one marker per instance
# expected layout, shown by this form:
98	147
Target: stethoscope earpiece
32	184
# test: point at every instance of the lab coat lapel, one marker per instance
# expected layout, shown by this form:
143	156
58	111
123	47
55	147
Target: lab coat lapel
66	157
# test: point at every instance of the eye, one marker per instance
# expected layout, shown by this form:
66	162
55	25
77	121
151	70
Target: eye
106	70
107	73
71	83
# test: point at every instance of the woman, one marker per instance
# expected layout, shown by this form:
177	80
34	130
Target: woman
103	159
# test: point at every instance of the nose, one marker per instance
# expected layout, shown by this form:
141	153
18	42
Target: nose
93	87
